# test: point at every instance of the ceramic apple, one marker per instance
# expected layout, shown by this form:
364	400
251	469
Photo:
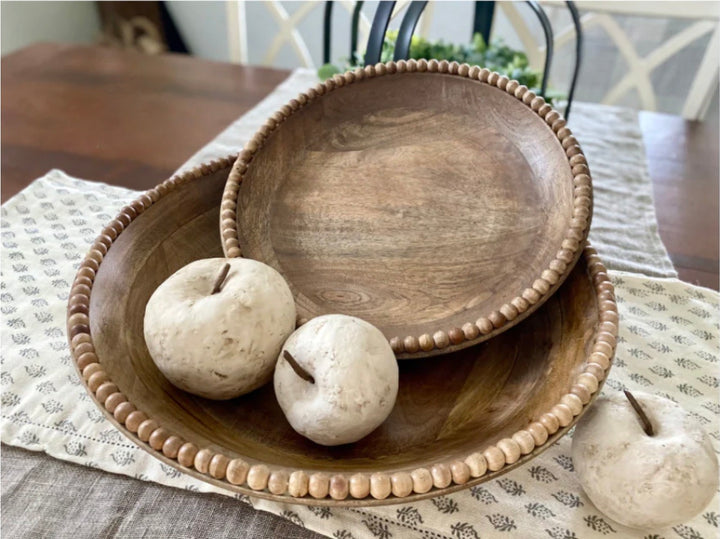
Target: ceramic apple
215	327
645	478
336	379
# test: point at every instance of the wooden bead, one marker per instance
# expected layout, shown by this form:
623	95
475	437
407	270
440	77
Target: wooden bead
441	475
257	477
558	265
484	325
531	295
80	339
359	486
96	380
605	336
563	133
218	465
538	432
563	413
536	103
566	255
520	303
456	335
611	315
202	460
113	401
75	330
596	370
589	381
411	344
123	410
603	348
396	343
525	441
186	454
146	428
502	82
84	348
495	458
550	276
380	485
319	485
86	359
460	472
422	480
541	286
508	311
582	392
132	421
158	437
278	482
550	422
339	487
171	446
474	72
402	484
497	319
298	484
512	86
544	110
573	402
470	331
441	339
510	448
477	464
79	308
426	342
91	369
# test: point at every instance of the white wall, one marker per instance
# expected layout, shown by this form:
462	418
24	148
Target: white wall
24	23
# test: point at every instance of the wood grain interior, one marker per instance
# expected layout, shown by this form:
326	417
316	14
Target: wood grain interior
417	201
448	405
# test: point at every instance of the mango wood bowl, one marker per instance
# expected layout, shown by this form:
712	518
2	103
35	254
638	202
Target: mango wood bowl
441	203
460	419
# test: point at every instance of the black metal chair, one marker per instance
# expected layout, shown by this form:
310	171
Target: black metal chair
482	23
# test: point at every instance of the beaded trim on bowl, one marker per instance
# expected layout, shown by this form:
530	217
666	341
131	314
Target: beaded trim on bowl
310	486
482	328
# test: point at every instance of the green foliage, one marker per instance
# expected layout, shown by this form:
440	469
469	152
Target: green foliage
496	57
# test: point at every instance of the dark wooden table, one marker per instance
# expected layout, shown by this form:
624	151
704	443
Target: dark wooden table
131	120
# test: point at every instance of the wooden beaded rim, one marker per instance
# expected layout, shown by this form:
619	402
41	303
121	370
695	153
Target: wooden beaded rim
550	278
313	487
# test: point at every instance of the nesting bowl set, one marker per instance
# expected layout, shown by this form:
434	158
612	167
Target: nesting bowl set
445	204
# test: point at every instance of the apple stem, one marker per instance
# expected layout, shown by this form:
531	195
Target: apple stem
220	279
302	373
647	426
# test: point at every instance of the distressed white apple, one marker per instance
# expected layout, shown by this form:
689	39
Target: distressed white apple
645	477
214	328
336	379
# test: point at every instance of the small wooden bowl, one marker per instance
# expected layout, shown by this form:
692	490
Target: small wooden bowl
441	203
459	420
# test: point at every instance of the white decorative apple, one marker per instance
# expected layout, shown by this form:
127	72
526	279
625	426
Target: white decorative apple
336	379
214	328
646	469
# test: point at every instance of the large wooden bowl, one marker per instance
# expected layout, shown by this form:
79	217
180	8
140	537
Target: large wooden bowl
439	202
460	419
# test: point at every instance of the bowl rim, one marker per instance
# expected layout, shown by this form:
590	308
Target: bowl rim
313	487
535	293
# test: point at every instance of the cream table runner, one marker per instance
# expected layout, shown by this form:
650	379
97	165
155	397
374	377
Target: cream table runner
668	346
